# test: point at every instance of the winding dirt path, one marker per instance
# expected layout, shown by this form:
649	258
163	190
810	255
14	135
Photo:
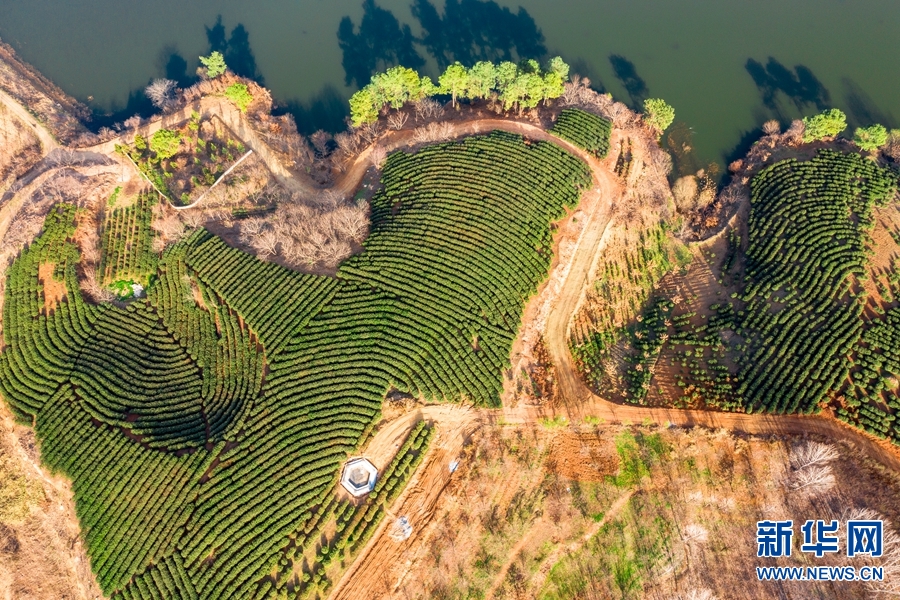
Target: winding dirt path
48	142
366	577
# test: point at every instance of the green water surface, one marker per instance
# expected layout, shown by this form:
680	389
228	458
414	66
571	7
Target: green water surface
693	53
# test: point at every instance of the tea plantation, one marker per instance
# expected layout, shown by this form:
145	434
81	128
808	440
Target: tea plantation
203	426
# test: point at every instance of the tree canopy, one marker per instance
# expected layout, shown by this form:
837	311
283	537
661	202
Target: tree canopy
393	88
870	138
214	63
454	81
658	113
240	95
826	124
517	86
165	143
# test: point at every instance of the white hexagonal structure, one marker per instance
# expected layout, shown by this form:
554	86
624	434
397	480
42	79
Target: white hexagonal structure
359	477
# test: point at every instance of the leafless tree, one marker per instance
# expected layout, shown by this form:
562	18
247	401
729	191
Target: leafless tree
396	120
696	534
813	479
734	193
105	134
812	453
377	157
161	93
330	199
348	143
352	222
193	218
433	132
794	133
133	122
771	127
92	287
250	229
320	141
169	227
892	147
266	243
428	108
369	132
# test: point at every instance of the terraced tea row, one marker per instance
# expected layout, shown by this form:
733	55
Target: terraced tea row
126	243
585	130
808	229
799	333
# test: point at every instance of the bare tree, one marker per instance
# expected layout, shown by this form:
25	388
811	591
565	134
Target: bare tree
250	228
396	120
812	453
266	243
92	287
161	93
794	133
133	122
347	143
352	222
892	147
771	127
320	141
428	108
695	533
377	157
813	479
369	132
193	218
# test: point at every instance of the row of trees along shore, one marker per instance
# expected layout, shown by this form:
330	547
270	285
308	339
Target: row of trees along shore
519	86
833	121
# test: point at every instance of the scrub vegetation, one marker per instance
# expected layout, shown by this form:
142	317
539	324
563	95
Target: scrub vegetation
181	164
595	511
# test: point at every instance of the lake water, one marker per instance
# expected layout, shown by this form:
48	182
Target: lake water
725	65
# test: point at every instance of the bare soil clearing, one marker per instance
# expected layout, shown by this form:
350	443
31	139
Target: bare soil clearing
41	553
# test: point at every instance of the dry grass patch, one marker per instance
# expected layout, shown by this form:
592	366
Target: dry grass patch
675	517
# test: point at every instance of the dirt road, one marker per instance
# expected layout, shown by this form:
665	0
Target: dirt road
48	142
455	423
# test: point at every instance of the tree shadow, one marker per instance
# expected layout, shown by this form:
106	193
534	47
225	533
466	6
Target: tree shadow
381	42
799	85
580	66
740	150
861	108
474	30
326	110
173	66
137	104
626	72
235	48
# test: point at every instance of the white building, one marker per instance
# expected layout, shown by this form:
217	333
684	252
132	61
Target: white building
359	477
